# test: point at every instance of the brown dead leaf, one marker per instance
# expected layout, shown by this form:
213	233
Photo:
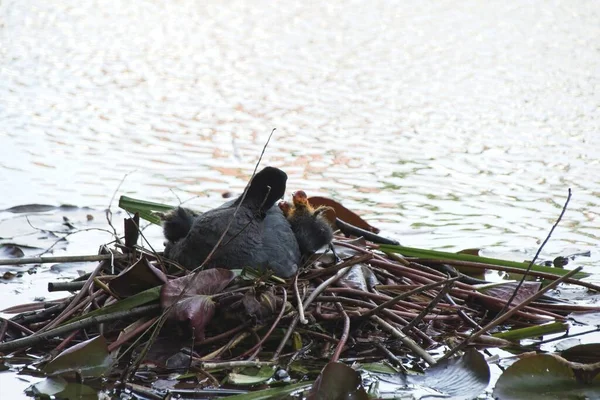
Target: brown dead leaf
342	213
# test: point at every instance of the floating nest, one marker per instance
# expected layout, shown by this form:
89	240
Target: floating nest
139	325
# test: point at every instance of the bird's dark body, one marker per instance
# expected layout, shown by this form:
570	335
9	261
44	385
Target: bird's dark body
259	235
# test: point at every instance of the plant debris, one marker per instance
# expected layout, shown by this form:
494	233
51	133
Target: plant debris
146	326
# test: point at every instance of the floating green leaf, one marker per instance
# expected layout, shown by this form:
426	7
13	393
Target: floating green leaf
442	255
146	209
532	331
544	377
250	376
380	368
89	358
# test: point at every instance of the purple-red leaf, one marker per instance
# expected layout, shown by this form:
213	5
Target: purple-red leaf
207	282
195	305
198	310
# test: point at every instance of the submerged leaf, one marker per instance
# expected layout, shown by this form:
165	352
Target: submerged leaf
504	290
59	388
462	377
90	358
9	250
338	381
30	208
586	318
459	378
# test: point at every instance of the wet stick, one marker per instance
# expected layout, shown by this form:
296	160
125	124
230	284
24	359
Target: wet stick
510	313
81	324
408	342
309	300
512	270
345	333
391	302
258	345
430	306
62	259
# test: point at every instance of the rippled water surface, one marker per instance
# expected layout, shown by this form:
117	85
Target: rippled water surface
456	122
447	124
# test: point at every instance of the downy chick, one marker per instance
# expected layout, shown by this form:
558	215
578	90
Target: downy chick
310	226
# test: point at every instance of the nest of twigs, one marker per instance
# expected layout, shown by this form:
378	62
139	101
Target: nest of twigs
359	304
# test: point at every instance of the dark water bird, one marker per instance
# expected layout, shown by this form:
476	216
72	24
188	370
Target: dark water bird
310	226
259	236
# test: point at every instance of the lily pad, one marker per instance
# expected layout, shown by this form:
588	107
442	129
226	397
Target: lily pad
583	353
207	282
197	310
544	377
459	378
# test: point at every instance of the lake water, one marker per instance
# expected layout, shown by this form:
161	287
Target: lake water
447	124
